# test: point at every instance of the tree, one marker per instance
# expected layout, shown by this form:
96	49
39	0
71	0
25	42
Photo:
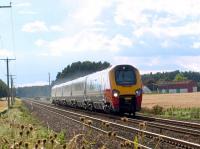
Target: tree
3	89
180	77
79	69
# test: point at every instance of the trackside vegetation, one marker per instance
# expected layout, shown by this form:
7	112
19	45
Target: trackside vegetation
19	129
173	112
3	89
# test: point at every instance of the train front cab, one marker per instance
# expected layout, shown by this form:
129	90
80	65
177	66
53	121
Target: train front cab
126	89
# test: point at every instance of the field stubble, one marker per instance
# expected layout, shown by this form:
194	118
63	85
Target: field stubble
179	100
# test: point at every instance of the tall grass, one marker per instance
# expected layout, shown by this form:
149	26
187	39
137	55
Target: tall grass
174	112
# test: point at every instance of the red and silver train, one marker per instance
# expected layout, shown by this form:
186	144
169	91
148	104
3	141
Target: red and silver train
116	89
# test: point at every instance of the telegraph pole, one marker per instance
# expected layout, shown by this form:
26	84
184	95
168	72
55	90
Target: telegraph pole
7	60
49	79
7	65
12	89
49	84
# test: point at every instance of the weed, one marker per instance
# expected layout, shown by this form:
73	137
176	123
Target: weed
173	112
157	110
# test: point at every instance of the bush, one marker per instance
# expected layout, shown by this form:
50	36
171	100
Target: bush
157	110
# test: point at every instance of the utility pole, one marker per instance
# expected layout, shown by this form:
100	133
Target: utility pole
12	89
49	84
8	6
49	79
7	65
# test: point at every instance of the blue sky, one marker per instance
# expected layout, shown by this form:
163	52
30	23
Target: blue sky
153	35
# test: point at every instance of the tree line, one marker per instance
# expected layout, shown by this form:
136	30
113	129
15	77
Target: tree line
79	69
151	79
33	91
3	89
73	71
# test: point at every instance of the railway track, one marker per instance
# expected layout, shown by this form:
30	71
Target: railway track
162	125
122	127
151	123
169	121
77	119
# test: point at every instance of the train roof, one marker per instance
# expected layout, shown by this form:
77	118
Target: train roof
83	78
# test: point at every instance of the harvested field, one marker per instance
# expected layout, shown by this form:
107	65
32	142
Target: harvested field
3	105
179	100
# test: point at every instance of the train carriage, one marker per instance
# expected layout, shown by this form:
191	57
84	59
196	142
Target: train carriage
116	89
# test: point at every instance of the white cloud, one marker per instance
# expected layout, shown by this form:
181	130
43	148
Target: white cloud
134	10
36	26
137	61
40	26
5	53
196	45
37	83
25	4
144	64
40	43
88	11
165	44
118	41
27	12
160	18
56	28
85	41
191	28
189	62
160	63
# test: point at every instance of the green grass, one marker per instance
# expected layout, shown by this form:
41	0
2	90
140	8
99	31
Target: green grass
19	129
173	112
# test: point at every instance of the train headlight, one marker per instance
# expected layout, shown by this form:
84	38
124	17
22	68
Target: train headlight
138	92
115	93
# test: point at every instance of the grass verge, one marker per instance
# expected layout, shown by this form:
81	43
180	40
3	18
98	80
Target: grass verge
173	112
19	130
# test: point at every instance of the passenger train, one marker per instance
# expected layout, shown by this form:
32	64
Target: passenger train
116	89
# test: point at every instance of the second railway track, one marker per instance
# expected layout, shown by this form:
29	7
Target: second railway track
126	127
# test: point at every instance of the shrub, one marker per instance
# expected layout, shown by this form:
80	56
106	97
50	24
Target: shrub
157	110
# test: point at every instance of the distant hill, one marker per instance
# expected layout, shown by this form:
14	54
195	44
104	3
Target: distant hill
150	79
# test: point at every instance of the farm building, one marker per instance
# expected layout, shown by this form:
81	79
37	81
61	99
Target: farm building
146	90
187	86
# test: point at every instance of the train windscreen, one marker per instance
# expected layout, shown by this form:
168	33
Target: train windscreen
125	75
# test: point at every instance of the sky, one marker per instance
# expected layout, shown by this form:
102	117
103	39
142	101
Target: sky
45	36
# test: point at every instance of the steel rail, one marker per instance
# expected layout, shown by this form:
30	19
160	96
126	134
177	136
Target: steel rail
163	138
168	127
169	121
95	128
157	125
